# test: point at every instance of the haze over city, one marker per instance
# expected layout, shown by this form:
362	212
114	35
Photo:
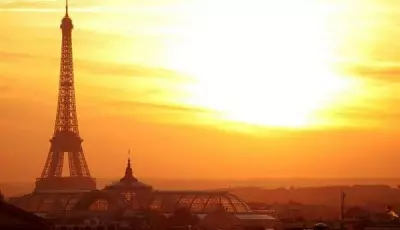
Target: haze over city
286	90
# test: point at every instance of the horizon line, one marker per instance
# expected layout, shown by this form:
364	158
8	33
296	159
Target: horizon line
235	180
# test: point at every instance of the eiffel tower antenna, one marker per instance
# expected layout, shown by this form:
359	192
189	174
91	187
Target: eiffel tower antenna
66	8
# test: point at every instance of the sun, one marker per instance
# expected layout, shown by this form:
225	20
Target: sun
260	62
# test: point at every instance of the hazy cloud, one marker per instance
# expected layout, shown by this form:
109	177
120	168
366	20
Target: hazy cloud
388	73
385	116
9	56
5	84
128	70
160	106
4	88
35	4
27	4
99	68
87	6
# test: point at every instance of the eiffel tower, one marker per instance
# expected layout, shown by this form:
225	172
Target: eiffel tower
66	139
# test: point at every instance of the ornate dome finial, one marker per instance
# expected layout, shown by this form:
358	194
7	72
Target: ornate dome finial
128	170
129	160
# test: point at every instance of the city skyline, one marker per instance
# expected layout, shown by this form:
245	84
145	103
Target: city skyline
175	83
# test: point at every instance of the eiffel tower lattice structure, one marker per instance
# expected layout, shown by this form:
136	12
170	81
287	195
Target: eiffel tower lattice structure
66	139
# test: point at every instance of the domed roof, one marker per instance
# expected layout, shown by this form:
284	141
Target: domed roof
197	201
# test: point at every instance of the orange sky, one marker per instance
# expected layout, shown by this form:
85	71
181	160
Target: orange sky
227	89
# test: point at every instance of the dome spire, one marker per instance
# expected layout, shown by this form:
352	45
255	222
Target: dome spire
129	160
128	171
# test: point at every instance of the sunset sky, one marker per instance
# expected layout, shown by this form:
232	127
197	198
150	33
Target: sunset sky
207	88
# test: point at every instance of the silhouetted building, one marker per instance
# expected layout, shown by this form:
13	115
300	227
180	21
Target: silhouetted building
129	197
12	217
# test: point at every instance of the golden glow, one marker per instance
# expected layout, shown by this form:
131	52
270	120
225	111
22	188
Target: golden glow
258	62
261	62
247	62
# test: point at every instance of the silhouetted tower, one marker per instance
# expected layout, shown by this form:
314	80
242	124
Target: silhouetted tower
66	138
